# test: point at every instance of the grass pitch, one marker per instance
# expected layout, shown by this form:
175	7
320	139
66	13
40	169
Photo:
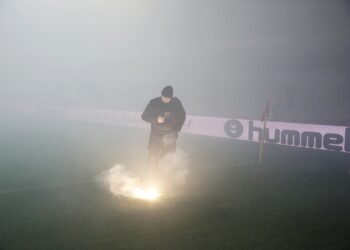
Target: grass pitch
49	197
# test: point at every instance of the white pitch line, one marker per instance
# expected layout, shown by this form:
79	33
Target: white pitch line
18	190
228	165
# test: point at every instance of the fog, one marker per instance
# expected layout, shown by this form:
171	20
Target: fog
223	58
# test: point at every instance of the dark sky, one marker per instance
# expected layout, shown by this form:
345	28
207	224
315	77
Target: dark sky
224	58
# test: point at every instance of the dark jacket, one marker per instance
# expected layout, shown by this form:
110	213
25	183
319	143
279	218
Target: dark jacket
174	119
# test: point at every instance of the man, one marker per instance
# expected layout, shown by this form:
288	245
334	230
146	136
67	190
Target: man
166	116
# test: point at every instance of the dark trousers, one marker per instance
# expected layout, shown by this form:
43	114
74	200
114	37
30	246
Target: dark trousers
159	145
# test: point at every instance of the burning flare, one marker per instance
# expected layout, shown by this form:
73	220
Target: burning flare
173	169
120	182
150	194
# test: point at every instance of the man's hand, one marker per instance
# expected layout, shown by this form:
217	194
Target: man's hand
160	119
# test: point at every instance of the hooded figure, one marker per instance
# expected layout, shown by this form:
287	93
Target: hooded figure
166	116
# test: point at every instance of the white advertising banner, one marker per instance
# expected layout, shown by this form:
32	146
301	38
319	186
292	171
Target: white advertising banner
333	138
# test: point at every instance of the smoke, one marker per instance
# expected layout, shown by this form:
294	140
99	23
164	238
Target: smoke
172	172
119	181
174	168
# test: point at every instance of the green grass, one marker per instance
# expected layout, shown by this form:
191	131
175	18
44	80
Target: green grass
49	198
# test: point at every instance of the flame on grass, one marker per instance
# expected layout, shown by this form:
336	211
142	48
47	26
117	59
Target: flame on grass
120	182
173	172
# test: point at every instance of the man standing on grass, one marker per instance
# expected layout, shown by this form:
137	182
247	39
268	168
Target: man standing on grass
166	116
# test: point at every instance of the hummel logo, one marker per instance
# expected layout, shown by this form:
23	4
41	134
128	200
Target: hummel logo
233	128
